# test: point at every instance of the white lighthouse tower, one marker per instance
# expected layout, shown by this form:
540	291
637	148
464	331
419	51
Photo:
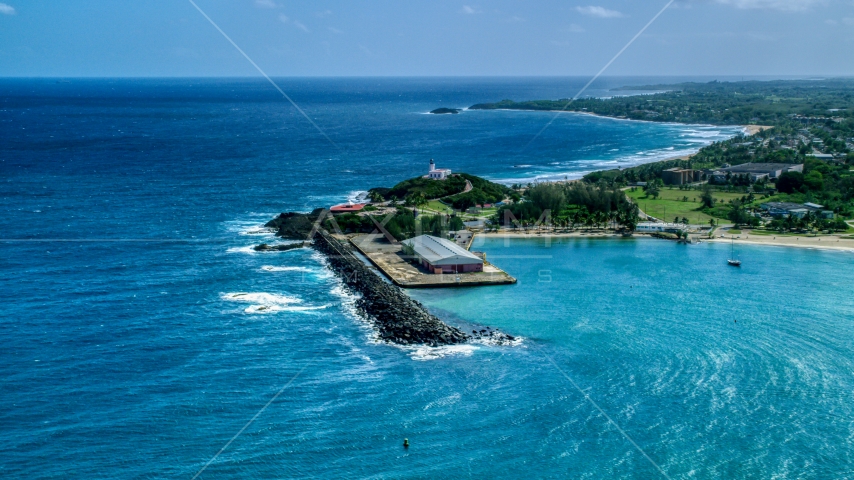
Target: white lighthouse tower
437	173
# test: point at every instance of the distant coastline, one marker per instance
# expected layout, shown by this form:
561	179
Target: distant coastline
749	129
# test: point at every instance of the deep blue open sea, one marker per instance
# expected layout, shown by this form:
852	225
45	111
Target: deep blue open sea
139	333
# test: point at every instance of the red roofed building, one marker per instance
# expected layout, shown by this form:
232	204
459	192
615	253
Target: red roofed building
347	207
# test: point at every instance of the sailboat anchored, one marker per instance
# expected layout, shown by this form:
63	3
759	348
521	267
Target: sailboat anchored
733	261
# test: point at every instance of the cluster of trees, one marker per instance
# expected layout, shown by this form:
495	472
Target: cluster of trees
829	184
739	215
653	188
417	191
426	187
810	221
404	224
719	103
737	180
570	205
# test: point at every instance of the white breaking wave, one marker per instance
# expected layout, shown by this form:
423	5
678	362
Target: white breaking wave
493	342
348	304
263	302
261	297
258	230
434	353
278	308
249	250
272	268
702	133
251	224
357	196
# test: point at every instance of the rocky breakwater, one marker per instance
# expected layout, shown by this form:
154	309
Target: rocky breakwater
396	317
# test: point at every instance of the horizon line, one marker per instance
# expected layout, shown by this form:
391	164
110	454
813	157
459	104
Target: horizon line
805	76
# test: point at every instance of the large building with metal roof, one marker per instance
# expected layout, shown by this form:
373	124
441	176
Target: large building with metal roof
442	256
758	171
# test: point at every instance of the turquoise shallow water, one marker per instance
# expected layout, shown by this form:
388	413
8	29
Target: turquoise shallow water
713	371
139	332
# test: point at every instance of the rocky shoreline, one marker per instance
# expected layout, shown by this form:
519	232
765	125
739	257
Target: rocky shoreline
396	317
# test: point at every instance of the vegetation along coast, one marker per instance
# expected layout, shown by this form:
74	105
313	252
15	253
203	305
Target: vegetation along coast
788	182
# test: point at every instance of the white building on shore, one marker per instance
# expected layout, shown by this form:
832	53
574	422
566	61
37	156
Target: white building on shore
437	173
440	255
659	227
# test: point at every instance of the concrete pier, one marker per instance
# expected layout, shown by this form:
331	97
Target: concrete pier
389	259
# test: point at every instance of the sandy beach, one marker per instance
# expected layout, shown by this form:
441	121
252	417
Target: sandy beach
754	129
826	242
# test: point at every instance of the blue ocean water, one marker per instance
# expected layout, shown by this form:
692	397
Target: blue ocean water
140	333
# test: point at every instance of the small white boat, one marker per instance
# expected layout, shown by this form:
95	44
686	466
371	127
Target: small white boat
733	261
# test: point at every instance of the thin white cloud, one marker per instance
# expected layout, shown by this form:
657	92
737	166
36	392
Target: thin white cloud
575	28
599	12
7	9
468	10
284	19
335	30
265	4
782	5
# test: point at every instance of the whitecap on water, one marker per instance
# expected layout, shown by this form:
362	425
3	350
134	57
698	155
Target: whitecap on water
444	402
263	302
260	297
434	353
272	268
258	230
494	342
279	308
249	250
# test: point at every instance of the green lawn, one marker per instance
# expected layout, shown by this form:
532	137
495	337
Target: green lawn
438	207
670	204
435	206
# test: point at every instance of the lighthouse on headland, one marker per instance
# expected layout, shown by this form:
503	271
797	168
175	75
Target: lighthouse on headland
437	173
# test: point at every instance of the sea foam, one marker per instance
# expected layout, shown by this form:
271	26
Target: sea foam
425	353
263	302
272	268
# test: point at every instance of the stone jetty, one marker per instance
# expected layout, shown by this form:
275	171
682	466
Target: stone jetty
396	317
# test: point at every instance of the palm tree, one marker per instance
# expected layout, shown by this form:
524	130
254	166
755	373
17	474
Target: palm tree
376	197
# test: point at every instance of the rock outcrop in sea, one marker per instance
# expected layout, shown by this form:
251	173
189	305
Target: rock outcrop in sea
396	317
277	248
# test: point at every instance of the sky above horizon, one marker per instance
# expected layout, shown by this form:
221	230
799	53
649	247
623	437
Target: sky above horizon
106	38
